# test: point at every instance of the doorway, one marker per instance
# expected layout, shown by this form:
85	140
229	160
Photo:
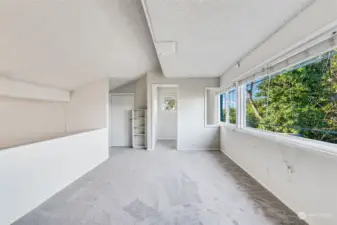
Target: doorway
121	106
165	117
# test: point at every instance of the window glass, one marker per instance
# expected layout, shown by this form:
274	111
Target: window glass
170	104
223	107
300	101
232	106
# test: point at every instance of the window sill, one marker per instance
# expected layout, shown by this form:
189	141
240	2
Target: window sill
228	125
212	126
312	145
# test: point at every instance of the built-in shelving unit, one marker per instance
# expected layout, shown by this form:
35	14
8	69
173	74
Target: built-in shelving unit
139	128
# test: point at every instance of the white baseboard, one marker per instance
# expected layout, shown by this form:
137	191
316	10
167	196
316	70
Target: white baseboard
167	139
199	149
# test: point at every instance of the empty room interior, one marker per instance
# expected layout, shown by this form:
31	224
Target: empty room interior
168	112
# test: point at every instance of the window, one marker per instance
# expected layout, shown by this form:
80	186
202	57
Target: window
223	107
232	106
170	104
299	101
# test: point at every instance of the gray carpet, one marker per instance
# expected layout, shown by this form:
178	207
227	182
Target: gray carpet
163	188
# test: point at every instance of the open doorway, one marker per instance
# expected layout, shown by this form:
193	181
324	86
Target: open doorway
165	117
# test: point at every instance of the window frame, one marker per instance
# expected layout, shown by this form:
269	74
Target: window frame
307	62
225	92
169	97
217	109
309	144
235	98
241	125
223	102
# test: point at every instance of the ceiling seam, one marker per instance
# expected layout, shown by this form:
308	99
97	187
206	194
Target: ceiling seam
154	39
149	23
284	24
31	82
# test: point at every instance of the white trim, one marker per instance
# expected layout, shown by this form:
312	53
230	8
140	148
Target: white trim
316	38
240	106
312	145
167	139
200	149
237	98
229	125
227	108
117	94
215	89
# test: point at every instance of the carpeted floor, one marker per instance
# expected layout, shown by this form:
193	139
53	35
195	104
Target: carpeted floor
163	188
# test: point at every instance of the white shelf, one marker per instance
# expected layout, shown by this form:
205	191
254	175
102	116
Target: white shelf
138	124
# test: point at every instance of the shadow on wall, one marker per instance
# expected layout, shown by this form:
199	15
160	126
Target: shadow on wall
263	200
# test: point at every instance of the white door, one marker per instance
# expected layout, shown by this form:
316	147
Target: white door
120	120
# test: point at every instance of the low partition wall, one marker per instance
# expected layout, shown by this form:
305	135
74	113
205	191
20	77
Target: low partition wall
301	175
32	173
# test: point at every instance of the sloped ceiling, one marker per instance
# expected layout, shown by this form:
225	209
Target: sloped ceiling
319	16
66	44
200	38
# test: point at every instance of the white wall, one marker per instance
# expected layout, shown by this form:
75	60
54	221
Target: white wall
192	133
138	87
212	109
297	30
89	107
23	121
300	176
31	174
167	120
25	90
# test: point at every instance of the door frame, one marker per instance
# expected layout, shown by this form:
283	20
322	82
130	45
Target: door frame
154	92
110	105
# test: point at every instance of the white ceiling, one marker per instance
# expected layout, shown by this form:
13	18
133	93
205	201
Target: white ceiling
66	44
197	38
318	17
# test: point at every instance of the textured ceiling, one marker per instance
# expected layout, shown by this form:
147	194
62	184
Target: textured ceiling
66	44
205	37
315	18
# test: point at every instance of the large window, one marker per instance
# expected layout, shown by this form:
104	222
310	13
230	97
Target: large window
300	101
232	106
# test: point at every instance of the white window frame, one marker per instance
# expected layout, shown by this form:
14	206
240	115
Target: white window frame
218	121
226	93
240	125
169	97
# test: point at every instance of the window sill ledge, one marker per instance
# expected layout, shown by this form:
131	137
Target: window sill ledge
228	125
311	145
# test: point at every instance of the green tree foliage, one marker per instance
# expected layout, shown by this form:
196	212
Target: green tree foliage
232	115
300	102
170	104
224	115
